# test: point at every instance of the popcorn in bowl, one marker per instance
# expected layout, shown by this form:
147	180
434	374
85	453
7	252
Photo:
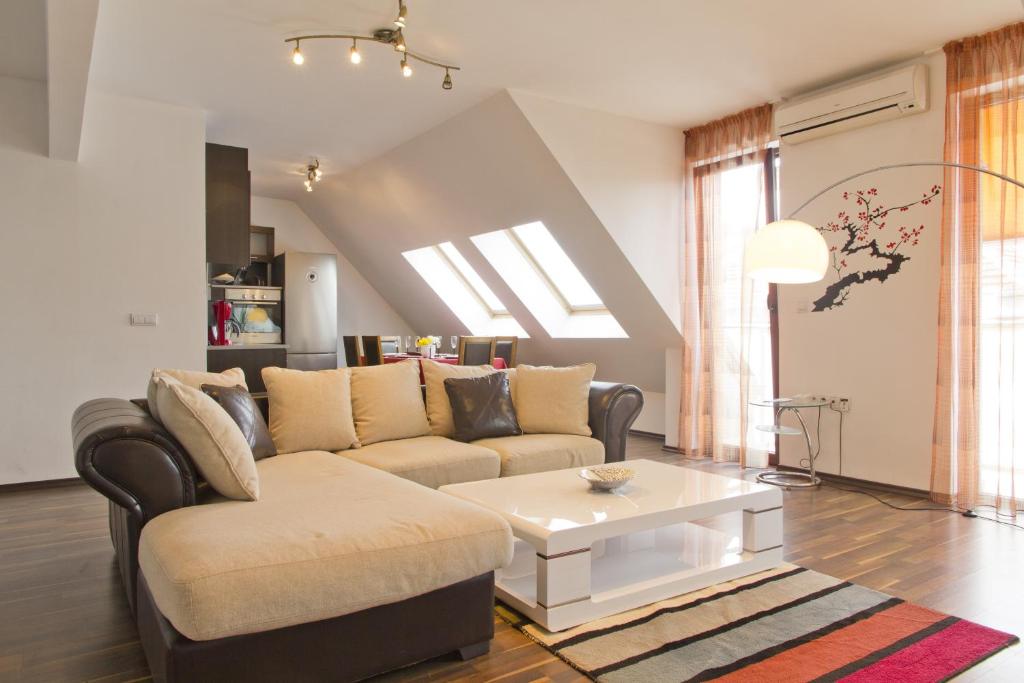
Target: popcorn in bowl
606	477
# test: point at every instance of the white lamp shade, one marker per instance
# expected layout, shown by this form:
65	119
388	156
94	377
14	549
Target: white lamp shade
787	252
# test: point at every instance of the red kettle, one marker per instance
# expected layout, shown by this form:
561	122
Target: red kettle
222	313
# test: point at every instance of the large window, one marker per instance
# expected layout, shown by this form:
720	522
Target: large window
459	286
741	307
537	269
1001	310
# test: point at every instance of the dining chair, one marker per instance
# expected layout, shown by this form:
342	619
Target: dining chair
506	348
390	344
372	351
476	350
351	346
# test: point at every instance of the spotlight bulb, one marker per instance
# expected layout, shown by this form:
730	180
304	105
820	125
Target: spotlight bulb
297	57
309	184
317	175
402	15
309	188
353	54
447	82
400	43
406	69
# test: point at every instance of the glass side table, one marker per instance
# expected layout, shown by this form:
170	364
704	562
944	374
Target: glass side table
788	480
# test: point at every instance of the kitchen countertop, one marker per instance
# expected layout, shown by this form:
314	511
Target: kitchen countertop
242	347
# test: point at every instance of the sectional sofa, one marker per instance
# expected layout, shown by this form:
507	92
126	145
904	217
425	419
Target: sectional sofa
350	563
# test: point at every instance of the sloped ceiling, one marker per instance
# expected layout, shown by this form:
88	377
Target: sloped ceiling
483	170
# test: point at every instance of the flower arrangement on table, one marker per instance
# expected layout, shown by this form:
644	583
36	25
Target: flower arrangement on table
426	346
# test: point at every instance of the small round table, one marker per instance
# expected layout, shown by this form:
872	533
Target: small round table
788	480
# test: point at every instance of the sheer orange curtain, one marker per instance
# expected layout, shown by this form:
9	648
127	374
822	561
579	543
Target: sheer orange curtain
978	442
724	318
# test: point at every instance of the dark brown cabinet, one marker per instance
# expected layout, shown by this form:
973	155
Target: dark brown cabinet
227	205
251	360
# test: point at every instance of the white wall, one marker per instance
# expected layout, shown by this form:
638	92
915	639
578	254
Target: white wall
879	348
631	174
83	246
361	310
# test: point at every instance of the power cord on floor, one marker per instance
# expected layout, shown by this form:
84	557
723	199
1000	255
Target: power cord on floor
965	513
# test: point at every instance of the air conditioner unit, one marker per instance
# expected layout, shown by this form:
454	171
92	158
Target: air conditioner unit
852	105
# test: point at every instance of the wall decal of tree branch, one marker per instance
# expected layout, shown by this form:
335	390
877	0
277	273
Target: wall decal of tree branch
866	233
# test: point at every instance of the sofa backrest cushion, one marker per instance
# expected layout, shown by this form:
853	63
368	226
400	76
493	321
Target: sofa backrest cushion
240	406
387	402
439	408
553	400
192	378
213	440
310	410
482	407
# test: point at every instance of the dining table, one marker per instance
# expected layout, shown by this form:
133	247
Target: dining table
447	359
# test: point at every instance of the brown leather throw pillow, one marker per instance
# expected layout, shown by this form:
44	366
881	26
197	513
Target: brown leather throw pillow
238	403
482	407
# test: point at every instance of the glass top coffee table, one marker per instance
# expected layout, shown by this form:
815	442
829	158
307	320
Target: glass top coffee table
582	555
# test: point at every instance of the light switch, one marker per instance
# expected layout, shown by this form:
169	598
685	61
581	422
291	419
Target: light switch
144	319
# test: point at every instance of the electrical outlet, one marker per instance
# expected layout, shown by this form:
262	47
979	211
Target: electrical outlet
144	319
839	403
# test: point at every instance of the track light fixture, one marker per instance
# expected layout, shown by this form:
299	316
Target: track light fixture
313	175
385	36
402	14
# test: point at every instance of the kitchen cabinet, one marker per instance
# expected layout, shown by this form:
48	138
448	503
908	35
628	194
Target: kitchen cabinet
227	205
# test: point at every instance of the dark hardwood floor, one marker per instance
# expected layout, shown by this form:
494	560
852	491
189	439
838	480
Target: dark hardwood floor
63	616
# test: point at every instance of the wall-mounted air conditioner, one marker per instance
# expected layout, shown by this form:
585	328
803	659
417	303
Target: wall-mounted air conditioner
852	105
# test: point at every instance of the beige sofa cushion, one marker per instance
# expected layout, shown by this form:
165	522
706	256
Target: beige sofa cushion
553	400
439	409
195	379
531	453
217	446
387	402
310	410
430	460
328	537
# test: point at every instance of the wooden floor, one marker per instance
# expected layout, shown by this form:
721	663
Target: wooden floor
63	616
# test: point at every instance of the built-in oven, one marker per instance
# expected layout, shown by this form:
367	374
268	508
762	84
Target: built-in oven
255	316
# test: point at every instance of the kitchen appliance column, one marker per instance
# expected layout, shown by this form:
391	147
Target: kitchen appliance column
310	284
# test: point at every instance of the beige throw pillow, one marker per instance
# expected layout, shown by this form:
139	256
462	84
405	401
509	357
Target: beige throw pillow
553	400
195	379
387	402
439	408
310	410
213	440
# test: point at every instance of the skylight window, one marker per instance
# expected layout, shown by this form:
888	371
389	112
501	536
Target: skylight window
459	286
537	269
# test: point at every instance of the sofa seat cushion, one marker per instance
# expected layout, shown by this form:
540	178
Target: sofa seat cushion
531	453
430	460
328	537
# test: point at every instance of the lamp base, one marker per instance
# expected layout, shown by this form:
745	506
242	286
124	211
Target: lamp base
803	480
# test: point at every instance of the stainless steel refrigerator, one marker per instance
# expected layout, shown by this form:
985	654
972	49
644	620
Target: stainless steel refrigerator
310	284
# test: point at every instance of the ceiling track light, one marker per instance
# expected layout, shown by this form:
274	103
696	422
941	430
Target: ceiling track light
392	37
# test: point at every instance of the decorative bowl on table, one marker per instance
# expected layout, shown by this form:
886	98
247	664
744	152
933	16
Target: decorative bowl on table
606	477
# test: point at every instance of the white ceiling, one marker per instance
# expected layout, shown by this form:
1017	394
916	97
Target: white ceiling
679	62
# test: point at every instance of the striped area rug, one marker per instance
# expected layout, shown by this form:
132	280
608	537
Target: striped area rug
786	624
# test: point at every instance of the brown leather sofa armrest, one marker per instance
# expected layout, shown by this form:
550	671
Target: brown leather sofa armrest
613	408
126	455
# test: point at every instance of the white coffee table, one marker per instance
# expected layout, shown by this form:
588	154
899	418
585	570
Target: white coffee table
582	555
